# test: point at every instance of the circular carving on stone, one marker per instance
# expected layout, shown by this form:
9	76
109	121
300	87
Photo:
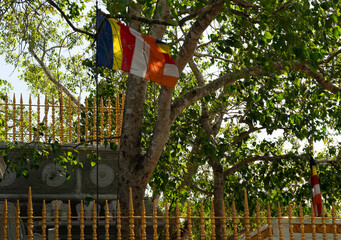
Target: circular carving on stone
8	178
106	175
53	175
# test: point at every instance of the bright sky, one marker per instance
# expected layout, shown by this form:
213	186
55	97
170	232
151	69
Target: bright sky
9	73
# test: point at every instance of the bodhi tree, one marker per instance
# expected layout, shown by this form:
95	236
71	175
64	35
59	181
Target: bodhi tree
231	41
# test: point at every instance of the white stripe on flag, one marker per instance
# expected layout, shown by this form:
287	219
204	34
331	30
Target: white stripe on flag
316	189
171	70
139	64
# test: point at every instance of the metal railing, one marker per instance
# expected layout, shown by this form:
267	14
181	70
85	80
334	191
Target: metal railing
276	227
66	123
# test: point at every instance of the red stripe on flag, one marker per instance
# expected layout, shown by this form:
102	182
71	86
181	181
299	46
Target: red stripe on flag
128	46
314	180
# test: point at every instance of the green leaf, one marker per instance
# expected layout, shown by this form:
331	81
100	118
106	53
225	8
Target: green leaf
267	36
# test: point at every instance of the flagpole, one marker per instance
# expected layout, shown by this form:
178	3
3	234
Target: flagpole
97	117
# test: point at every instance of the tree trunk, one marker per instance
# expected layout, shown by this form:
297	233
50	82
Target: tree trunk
218	197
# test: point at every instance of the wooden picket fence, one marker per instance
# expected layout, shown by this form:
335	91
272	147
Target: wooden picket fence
63	122
326	227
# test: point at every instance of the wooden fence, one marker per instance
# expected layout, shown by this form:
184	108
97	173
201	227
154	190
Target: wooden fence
66	123
278	227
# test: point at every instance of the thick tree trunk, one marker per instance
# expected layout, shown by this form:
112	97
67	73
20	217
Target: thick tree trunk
130	150
218	197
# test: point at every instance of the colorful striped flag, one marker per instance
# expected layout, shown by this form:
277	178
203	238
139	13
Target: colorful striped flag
315	187
122	48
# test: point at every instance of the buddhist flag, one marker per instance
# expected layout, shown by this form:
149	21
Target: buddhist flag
315	187
122	48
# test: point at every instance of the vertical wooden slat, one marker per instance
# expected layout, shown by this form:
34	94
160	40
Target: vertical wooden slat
154	221
119	226
68	220
313	225
280	224
291	226
131	216
94	221
302	223
14	119
213	237
5	221
259	232
78	121
43	221
38	118
167	221
117	118
189	221
235	221
270	223
94	112
29	216
324	226
61	117
224	222
86	119
21	119
177	217
102	121
30	119
106	221
6	118
334	222
53	121
143	222
56	221
109	120
202	222
46	119
81	221
70	120
246	217
17	221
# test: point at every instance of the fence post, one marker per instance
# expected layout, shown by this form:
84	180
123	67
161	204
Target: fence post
14	119
324	226
259	230
143	222
167	220
189	221
234	220
246	216
56	221
270	222
177	217
43	221
224	222
280	225
29	216
313	225
94	221
69	226
291	227
17	221
334	221
5	220
81	221
119	226
302	223
21	119
106	226
202	222
131	216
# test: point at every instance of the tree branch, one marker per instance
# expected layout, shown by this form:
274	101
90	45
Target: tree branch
52	79
68	20
246	161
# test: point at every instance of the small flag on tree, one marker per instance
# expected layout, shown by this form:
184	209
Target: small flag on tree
315	188
122	48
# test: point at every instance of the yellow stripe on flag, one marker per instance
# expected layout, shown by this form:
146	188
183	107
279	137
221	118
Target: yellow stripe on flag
117	44
313	171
